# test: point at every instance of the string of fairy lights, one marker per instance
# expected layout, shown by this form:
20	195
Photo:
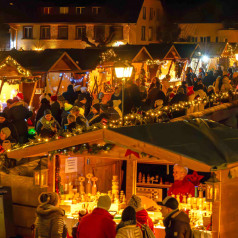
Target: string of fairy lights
156	115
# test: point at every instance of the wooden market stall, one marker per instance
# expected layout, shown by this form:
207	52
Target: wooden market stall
199	145
32	72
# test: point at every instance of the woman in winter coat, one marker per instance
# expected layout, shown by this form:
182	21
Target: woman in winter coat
127	227
45	104
50	218
226	86
142	216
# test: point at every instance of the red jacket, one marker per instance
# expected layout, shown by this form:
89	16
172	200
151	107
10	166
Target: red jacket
182	187
143	218
98	224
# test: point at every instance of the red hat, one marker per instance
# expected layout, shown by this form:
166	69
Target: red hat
53	98
20	96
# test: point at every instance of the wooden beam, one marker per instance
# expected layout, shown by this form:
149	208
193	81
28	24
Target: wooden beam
131	176
61	78
33	94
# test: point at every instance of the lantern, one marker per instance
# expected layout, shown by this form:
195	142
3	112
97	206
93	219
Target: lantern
41	175
212	188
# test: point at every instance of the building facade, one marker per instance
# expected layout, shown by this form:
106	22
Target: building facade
84	26
207	32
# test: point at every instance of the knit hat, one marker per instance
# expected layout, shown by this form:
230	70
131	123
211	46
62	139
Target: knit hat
6	131
104	202
169	202
47	111
97	107
20	96
135	202
53	98
50	198
128	214
67	106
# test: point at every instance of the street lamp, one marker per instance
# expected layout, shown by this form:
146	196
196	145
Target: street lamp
41	175
123	71
212	188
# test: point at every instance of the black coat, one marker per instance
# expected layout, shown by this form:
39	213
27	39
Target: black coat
70	95
12	128
177	225
45	104
153	95
56	111
180	97
18	114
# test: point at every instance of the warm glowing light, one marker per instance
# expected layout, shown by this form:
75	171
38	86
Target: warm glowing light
38	49
237	57
118	43
205	58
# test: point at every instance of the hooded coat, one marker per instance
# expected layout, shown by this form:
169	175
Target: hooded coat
49	222
70	95
98	224
177	225
130	231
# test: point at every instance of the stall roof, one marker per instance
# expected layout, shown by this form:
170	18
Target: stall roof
201	145
186	50
213	49
158	51
38	61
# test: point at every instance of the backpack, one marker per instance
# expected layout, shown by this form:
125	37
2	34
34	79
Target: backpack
146	231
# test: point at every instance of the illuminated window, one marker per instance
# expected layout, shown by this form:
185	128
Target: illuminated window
64	10
117	32
45	32
48	10
80	10
27	32
80	32
151	13
144	13
150	33
96	10
143	33
63	32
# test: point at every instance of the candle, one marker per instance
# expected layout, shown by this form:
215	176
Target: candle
196	191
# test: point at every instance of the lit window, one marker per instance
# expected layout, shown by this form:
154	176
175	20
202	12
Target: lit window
27	32
150	33
96	10
63	32
143	33
48	10
80	32
144	13
64	10
80	10
45	32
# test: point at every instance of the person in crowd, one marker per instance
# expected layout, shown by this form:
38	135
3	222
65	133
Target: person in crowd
70	96
82	213
200	90
179	97
230	73
95	116
17	114
181	184
219	71
226	86
84	100
209	79
189	76
47	126
5	135
170	94
154	94
176	222
45	104
65	112
78	113
154	83
5	123
72	125
9	103
127	227
201	73
115	96
210	91
218	83
99	223
143	91
142	216
55	108
165	83
45	95
184	85
132	97
50	218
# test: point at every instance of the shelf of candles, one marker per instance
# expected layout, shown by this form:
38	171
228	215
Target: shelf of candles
153	185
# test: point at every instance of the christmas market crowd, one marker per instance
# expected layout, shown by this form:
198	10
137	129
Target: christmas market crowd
78	108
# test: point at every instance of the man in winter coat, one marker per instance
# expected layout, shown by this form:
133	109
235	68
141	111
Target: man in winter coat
176	222
181	185
49	221
17	114
142	216
98	224
55	109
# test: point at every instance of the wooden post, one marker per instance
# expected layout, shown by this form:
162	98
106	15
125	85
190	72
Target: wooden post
131	177
1	86
33	94
170	66
59	84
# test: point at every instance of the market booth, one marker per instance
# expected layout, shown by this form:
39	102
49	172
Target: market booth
84	166
31	72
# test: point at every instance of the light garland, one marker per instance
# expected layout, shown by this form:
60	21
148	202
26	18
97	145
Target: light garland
108	55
